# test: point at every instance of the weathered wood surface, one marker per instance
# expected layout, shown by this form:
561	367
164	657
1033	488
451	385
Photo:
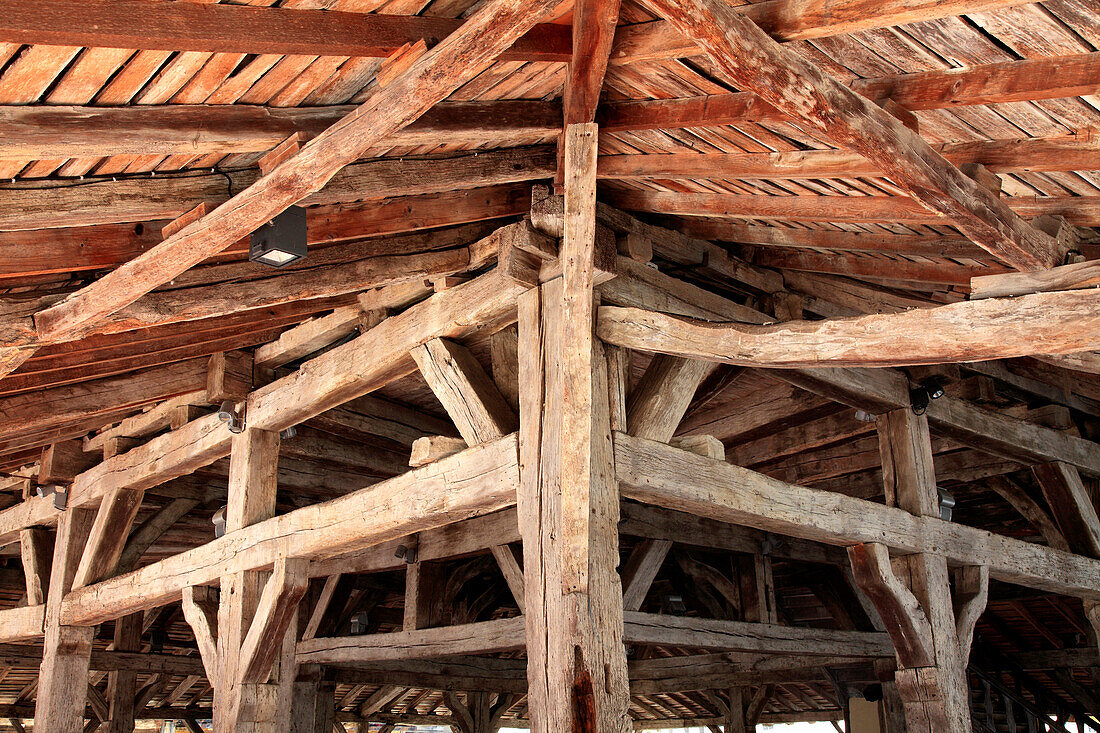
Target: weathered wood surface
740	636
655	473
1041	323
788	21
102	201
62	131
457	59
1079	275
478	481
244	29
567	502
477	638
1066	153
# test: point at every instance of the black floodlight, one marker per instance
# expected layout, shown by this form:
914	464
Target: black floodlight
282	240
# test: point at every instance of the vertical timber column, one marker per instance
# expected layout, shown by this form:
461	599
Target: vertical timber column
935	698
253	473
66	650
568	499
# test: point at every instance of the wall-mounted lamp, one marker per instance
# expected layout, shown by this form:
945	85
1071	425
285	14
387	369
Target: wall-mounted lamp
282	240
227	413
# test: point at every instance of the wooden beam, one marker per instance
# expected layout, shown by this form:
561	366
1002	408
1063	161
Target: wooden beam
466	391
1063	322
36	133
477	638
275	609
740	636
431	78
640	569
1067	277
594	23
172	195
1064	153
250	30
654	473
1071	506
49	408
662	396
567	503
422	499
1080	210
1005	81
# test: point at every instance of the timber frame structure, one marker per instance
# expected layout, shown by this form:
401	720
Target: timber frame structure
655	363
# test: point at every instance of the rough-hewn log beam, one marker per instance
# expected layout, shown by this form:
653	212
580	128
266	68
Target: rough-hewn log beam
34	133
476	638
655	473
1006	81
102	201
244	29
1066	153
1062	322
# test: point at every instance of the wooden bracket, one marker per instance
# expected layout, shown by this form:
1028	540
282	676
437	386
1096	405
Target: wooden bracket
460	712
466	391
399	61
113	520
510	568
183	220
200	608
274	612
281	152
971	596
905	115
640	570
902	614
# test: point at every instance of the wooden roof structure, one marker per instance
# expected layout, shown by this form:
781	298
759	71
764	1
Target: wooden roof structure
654	363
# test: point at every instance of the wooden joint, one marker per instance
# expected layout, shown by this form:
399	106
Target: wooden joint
274	612
431	448
286	149
229	376
200	609
399	62
985	178
903	114
1066	235
180	222
902	614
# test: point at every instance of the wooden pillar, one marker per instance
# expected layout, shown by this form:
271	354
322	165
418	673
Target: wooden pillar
735	714
913	592
253	472
568	499
122	684
66	650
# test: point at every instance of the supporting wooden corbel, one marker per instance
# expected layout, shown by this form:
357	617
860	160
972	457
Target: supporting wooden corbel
200	608
971	596
905	620
274	612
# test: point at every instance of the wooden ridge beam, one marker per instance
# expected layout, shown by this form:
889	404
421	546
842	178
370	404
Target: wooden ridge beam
1006	81
243	29
655	473
35	133
477	481
1058	322
1063	153
431	78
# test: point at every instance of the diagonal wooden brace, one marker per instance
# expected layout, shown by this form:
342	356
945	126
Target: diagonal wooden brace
905	620
274	613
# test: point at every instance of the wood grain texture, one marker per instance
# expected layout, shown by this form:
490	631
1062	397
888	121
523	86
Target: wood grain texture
1063	322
